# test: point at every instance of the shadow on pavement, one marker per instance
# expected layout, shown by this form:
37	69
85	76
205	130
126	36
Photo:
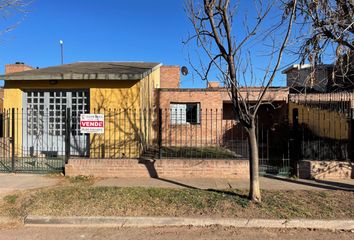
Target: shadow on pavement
329	185
150	166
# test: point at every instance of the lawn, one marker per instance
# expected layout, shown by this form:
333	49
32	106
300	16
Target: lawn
81	198
197	152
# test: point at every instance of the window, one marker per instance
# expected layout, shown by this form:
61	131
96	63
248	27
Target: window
183	113
228	112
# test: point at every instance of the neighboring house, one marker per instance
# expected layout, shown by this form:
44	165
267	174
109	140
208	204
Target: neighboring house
304	79
201	117
41	96
324	78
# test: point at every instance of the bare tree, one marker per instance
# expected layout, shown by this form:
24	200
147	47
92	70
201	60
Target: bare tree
9	8
227	47
327	33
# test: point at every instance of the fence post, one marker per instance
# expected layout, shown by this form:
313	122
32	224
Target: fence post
13	139
296	144
67	134
159	140
351	136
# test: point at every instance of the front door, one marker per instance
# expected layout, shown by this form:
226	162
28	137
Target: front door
44	122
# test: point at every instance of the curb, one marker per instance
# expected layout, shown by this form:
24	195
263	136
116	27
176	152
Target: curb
179	221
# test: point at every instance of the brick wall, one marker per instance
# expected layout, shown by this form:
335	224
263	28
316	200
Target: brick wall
325	170
169	76
213	98
217	125
165	168
17	67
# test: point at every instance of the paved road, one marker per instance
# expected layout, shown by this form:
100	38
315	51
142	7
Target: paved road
170	233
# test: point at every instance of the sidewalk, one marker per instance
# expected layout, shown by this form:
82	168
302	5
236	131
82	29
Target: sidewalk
267	183
12	182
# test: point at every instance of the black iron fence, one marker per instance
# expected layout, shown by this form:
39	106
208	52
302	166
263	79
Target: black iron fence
42	140
215	133
23	147
321	126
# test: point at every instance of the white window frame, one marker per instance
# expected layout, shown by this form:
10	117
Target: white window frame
178	113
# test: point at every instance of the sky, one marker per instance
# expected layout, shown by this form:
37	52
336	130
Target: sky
102	30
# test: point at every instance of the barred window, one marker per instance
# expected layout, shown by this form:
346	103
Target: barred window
184	113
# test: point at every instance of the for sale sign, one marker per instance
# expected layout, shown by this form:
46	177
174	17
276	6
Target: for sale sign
91	123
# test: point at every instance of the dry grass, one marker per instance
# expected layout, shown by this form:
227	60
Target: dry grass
79	197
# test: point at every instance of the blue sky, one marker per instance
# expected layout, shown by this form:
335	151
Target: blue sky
101	30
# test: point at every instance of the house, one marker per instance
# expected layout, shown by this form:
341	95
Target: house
123	91
144	110
301	78
203	118
323	78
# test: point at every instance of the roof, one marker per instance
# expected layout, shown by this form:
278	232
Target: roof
304	66
88	71
223	89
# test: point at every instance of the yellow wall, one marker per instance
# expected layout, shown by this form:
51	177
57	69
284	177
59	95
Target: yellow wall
148	101
120	126
13	99
128	117
123	129
322	122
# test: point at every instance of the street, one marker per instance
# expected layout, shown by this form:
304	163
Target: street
171	233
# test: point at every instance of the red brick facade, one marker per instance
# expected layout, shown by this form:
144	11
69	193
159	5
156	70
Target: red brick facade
167	168
17	67
170	76
217	121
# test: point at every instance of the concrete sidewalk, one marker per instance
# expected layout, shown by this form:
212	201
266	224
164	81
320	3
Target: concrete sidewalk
267	183
10	182
13	182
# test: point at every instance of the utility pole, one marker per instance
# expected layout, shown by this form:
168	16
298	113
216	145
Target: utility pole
61	51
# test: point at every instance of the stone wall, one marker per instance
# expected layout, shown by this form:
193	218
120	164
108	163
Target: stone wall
164	168
325	170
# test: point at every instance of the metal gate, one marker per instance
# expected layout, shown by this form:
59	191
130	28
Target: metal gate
44	125
40	137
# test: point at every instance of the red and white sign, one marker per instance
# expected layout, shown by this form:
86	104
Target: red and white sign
91	123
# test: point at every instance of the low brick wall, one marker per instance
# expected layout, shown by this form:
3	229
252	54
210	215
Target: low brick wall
309	169
165	168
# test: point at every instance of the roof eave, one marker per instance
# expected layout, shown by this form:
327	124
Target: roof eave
81	76
76	76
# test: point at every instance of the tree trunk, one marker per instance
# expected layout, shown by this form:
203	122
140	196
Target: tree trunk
255	193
